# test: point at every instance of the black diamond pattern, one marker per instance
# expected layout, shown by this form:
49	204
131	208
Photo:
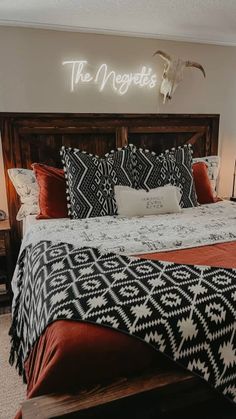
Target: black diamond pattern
186	312
91	180
173	167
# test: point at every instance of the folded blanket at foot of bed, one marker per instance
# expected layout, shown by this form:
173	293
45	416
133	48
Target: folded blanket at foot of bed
186	312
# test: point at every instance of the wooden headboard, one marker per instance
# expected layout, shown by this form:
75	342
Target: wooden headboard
31	137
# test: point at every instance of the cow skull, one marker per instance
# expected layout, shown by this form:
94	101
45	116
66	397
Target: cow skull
173	73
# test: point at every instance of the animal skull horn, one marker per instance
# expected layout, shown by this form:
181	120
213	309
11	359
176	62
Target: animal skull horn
163	55
196	65
173	73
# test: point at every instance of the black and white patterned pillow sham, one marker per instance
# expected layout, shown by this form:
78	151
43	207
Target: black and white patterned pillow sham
91	180
171	167
123	160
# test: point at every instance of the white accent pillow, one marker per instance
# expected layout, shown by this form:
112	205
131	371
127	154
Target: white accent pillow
132	202
26	186
213	168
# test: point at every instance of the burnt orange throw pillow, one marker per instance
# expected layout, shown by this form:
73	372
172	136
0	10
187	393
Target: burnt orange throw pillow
52	191
202	183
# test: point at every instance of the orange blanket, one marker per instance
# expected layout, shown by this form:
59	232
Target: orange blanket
222	255
73	355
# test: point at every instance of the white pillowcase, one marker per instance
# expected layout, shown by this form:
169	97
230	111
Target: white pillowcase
26	186
132	202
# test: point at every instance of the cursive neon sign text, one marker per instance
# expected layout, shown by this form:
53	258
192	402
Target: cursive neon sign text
103	76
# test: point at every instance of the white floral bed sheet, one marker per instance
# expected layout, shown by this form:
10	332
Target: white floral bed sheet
193	227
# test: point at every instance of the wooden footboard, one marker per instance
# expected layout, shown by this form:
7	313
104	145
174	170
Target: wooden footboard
142	396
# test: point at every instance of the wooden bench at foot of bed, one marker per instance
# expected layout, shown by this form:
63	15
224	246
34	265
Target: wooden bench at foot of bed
154	392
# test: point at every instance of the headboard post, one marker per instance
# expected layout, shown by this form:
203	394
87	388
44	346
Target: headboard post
11	158
121	137
37	137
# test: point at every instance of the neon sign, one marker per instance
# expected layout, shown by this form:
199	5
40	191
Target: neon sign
103	76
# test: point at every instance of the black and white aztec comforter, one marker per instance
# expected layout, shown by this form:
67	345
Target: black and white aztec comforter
186	312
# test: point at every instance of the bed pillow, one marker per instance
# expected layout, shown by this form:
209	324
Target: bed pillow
132	202
25	184
52	191
213	168
172	167
90	181
123	160
202	183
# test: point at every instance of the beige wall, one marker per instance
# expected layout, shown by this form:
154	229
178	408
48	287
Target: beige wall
32	79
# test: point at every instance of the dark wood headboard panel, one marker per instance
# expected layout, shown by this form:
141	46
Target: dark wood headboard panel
29	138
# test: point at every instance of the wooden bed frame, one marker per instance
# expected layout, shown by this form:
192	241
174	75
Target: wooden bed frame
29	138
156	394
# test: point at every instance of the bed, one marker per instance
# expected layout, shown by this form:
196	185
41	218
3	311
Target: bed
37	137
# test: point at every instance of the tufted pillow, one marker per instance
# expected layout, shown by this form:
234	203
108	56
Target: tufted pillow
91	179
172	167
213	168
52	191
202	183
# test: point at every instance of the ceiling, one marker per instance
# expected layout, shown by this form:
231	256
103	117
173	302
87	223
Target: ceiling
206	21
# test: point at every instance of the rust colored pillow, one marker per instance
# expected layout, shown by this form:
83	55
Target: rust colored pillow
202	183
52	191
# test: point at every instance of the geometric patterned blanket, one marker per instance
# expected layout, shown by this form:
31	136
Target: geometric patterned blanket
186	312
